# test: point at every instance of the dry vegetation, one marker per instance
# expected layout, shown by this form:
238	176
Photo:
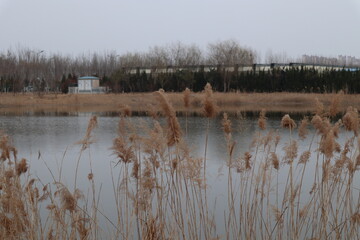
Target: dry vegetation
142	102
161	188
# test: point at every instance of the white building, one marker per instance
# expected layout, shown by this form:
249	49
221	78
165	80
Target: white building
88	84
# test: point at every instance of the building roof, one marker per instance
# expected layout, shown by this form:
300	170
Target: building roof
88	78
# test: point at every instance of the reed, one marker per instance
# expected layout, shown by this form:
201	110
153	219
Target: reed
160	186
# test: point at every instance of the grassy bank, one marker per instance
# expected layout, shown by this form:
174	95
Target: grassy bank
144	102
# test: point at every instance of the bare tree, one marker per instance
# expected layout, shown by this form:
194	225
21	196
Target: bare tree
130	60
8	64
158	56
185	55
271	57
229	53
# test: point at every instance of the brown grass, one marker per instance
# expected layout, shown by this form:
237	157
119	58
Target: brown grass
142	102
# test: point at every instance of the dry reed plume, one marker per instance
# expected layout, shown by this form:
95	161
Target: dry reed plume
287	122
209	106
126	111
335	105
88	138
174	132
303	131
351	120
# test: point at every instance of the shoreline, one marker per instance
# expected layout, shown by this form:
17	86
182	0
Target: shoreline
146	102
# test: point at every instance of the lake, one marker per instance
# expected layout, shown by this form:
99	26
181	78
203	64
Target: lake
48	142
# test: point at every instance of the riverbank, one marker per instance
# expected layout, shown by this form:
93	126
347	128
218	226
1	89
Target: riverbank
146	102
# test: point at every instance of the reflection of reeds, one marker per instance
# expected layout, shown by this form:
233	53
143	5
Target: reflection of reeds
160	188
262	120
187	97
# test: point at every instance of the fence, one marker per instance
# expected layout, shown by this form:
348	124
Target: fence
94	90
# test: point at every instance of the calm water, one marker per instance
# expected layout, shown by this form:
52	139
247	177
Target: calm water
51	139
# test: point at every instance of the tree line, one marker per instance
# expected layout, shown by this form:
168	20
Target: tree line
294	79
26	69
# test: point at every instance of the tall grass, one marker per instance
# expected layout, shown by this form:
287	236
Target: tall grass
160	187
140	102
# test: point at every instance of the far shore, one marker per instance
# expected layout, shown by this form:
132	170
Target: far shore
146	102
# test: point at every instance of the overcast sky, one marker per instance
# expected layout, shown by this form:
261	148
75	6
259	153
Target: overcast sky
320	27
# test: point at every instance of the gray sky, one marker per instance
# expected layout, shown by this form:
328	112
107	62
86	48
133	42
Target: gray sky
320	27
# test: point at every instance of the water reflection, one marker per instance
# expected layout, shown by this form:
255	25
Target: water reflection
62	113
